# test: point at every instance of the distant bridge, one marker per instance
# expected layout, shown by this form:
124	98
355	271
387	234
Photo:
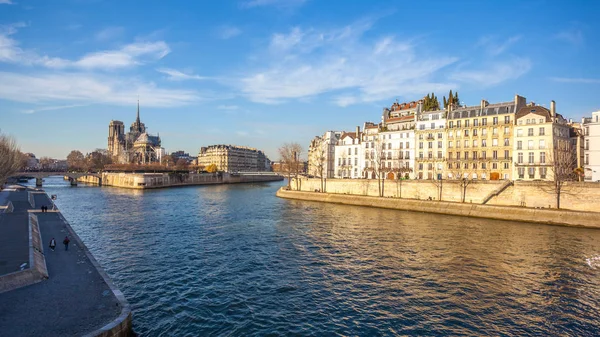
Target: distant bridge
39	176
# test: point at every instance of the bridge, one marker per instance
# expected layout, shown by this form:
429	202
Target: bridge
40	175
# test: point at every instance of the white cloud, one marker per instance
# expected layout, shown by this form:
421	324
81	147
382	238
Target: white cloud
50	108
227	32
494	47
6	2
109	33
573	36
306	63
86	88
176	75
276	3
129	55
494	73
576	80
228	107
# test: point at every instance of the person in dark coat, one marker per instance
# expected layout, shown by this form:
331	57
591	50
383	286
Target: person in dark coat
52	244
66	242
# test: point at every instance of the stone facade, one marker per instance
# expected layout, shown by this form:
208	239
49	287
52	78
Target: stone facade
591	162
321	154
231	158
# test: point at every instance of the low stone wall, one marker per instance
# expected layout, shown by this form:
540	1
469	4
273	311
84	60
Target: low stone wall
525	214
37	270
162	180
581	196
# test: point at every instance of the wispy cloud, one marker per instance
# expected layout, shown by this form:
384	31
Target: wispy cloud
227	32
494	73
572	36
6	2
86	88
576	80
176	75
494	47
51	108
129	55
276	3
308	62
228	107
109	33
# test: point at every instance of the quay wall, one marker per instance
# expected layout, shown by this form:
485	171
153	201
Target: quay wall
162	180
524	214
580	196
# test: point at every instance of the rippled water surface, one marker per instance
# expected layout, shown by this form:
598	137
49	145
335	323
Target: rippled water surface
236	260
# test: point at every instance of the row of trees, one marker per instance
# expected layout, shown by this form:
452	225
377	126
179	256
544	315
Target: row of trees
100	159
11	158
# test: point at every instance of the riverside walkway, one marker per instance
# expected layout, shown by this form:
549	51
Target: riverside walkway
75	299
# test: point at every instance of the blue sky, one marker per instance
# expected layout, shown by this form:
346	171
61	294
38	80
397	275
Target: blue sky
263	72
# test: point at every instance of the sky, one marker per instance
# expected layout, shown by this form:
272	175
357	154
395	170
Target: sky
261	73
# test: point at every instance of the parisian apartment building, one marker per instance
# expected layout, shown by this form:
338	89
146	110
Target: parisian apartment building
511	140
233	159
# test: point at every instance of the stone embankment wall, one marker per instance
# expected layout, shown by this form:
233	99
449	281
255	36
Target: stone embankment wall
525	214
582	196
161	180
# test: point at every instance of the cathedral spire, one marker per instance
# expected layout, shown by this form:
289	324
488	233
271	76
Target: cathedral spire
137	120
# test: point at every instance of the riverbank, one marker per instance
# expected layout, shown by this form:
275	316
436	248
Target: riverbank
73	297
535	215
174	179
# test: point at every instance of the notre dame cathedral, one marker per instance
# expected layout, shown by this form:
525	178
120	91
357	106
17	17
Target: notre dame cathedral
135	146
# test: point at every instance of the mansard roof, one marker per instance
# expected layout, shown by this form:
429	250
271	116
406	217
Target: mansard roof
476	111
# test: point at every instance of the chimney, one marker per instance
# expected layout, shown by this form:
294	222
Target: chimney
520	102
484	103
552	109
357	131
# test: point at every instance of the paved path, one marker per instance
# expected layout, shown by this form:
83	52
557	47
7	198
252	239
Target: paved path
74	300
14	233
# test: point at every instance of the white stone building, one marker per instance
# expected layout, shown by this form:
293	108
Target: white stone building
349	159
321	154
591	162
430	135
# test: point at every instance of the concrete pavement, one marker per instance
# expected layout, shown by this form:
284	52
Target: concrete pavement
74	300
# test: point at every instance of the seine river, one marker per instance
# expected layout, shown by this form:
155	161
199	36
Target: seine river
236	260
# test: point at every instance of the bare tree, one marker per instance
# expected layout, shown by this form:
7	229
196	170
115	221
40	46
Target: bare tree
76	161
317	161
464	177
562	162
11	159
438	180
289	154
45	163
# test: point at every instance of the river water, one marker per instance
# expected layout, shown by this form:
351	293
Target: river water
236	260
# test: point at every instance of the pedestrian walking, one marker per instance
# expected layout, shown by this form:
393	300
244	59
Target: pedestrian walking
52	244
66	242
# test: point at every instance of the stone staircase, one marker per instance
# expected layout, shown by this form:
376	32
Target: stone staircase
497	191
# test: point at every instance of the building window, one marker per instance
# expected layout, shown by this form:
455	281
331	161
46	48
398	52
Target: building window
531	172
519	132
506	119
450	155
450	144
587	144
483	143
466	166
484	132
506	154
483	154
484	166
466	143
542	144
474	154
519	145
466	133
474	142
467	123
495	121
521	171
420	145
520	158
494	166
587	159
451	124
430	155
495	131
349	151
543	158
530	145
466	154
506	130
530	132
440	135
484	121
531	157
542	131
506	166
474	132
430	145
495	154
506	142
439	144
475	122
439	154
457	155
543	172
495	142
